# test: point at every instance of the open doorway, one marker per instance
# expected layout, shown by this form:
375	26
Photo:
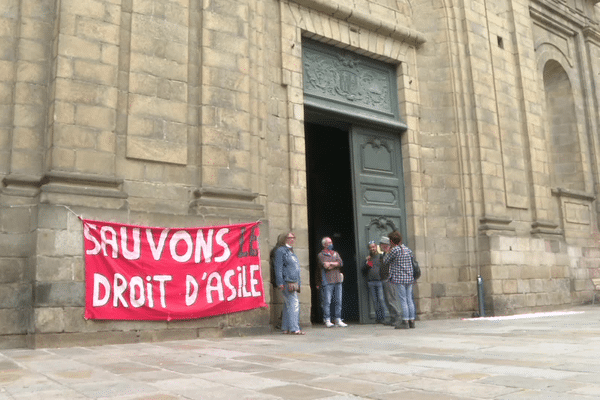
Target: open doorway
330	211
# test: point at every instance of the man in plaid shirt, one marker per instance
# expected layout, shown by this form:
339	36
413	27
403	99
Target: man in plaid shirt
401	274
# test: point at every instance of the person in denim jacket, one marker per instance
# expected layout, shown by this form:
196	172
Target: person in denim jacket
287	277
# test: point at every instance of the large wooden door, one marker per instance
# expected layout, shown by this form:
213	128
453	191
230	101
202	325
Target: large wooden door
378	189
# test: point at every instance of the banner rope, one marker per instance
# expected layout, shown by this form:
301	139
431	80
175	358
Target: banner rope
258	221
36	205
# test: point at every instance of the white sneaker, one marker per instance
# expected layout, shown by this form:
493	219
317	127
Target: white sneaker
328	323
338	322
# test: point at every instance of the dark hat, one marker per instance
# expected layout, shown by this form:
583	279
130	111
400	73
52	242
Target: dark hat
384	240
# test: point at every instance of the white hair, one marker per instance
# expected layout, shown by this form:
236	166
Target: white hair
324	240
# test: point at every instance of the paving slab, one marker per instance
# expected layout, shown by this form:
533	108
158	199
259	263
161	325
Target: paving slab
529	357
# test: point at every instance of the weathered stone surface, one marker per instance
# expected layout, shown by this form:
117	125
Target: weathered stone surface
59	294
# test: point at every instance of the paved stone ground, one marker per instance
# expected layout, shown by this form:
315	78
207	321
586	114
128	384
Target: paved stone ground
543	356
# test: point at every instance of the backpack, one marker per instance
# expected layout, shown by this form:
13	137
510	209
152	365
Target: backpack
272	266
416	268
384	270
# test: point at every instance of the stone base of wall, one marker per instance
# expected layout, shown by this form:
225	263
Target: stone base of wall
74	339
14	341
535	274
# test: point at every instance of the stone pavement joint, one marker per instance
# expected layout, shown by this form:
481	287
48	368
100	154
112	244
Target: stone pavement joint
548	356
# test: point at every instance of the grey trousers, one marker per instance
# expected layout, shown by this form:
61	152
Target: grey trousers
393	302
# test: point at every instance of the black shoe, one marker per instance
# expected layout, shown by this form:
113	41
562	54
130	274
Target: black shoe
402	325
411	323
389	322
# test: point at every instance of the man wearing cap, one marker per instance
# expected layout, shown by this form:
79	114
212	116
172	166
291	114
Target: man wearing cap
373	277
389	289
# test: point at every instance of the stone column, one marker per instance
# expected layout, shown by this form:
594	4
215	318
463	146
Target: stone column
26	28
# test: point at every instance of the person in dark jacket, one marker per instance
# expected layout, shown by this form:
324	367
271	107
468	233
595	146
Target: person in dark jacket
287	279
371	272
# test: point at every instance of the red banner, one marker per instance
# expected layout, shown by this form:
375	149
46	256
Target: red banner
143	273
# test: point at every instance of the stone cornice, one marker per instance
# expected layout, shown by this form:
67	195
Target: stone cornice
556	11
230	194
81	179
489	224
364	20
541	227
82	184
592	34
547	20
573	194
63	182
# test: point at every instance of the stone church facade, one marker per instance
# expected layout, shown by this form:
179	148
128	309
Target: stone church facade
484	116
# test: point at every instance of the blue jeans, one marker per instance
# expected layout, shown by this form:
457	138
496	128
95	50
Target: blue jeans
405	292
332	291
376	290
290	317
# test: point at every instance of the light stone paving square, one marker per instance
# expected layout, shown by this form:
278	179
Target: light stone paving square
222	353
400	369
587	378
108	389
127	368
79	375
8	365
152	359
453	366
543	395
387	378
532	383
530	372
153	396
51	365
189	388
458	388
71	351
61	394
260	359
226	392
188	368
415	395
241	380
31	383
588	391
546	349
356	387
298	392
303	365
243	367
453	375
288	376
152	376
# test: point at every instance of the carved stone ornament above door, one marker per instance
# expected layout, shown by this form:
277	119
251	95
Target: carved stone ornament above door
342	79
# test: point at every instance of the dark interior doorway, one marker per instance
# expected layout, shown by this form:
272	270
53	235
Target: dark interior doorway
330	211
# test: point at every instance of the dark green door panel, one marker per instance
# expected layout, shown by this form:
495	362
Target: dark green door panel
378	189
